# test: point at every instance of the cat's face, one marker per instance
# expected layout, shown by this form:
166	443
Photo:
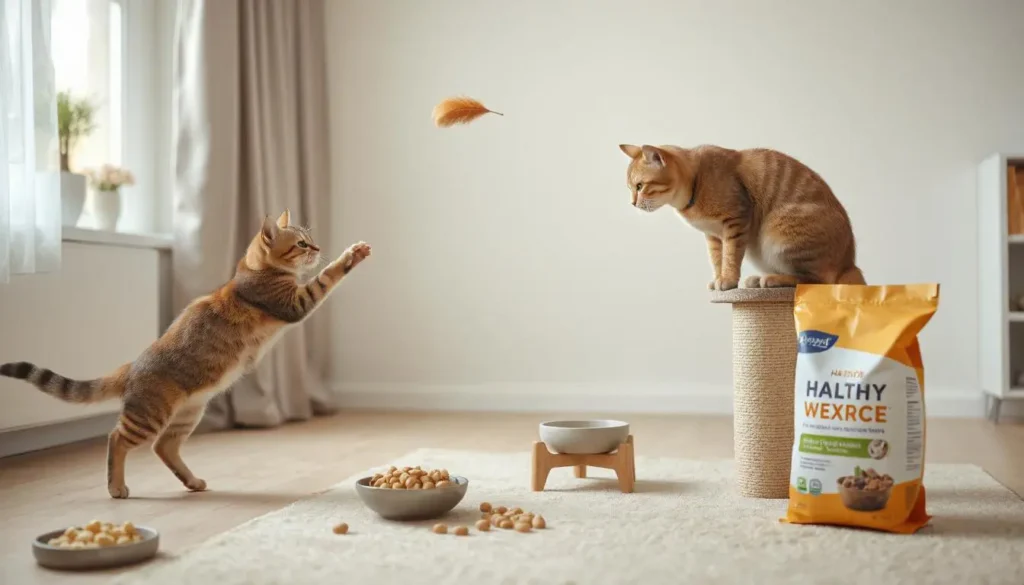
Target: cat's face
287	246
651	183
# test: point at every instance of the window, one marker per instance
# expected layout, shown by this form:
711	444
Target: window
87	50
117	55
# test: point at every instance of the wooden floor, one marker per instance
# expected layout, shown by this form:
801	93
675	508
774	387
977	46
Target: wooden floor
251	473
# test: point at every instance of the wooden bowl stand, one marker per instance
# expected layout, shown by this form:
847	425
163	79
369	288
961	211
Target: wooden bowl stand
621	460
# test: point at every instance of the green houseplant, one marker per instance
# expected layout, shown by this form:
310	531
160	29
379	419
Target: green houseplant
74	122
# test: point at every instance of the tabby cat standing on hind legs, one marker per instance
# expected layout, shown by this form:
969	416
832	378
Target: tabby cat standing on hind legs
757	203
215	340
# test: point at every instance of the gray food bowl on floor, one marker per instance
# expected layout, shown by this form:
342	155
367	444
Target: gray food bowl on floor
77	559
583	437
393	504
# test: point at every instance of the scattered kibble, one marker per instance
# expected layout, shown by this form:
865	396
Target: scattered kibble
483	525
485	507
440	529
523	526
96	534
341	528
501	510
506	524
461	531
538	522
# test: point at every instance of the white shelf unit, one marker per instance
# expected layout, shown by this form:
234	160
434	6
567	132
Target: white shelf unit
1000	284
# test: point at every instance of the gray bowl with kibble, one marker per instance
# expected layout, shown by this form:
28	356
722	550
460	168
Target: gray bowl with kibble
51	550
412	504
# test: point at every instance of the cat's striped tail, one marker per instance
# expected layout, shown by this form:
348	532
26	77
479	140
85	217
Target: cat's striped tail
68	390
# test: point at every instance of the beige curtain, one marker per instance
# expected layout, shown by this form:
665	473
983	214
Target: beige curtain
250	139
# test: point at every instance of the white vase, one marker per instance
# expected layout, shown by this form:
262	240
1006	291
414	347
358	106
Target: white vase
72	197
106	209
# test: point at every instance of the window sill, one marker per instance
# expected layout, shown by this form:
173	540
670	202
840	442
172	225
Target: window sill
124	240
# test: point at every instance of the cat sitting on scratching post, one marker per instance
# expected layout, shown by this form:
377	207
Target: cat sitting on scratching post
757	203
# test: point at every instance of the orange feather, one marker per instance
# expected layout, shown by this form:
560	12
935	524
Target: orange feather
459	110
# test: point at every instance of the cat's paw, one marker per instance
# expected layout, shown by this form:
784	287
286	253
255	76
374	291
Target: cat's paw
752	282
196	485
355	254
724	284
778	281
118	492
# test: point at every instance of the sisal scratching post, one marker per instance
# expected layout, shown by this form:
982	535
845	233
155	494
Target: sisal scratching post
763	372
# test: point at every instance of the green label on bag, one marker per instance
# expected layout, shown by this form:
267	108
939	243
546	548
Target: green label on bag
835	446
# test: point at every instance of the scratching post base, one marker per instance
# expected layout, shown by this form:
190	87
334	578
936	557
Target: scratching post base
621	460
763	371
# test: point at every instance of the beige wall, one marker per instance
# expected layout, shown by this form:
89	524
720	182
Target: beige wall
508	267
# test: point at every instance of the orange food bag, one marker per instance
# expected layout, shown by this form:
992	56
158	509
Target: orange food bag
859	441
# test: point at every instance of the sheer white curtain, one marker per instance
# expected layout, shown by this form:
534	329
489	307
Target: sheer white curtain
30	223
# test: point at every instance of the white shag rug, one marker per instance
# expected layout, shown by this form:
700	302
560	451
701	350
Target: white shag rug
684	524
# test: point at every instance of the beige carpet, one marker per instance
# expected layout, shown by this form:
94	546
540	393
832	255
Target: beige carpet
684	524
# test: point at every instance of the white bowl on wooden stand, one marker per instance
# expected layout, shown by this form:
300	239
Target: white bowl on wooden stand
583	443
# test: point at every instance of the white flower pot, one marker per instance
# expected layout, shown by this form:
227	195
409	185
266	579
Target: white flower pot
106	209
72	198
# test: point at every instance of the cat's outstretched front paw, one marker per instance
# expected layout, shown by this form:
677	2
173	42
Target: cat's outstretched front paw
724	284
355	254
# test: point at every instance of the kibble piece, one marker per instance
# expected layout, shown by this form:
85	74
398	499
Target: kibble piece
409	482
523	526
440	529
538	522
71	532
443	483
517	511
461	531
341	528
428	485
483	525
501	509
95	526
375	477
485	507
104	539
124	539
496	519
444	474
506	524
136	537
77	544
84	536
128	528
56	541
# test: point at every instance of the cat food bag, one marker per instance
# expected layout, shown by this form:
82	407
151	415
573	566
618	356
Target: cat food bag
858	443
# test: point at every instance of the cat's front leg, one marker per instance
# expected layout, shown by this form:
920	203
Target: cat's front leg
734	246
715	254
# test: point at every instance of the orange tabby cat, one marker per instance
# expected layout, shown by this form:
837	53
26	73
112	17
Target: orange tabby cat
757	203
215	340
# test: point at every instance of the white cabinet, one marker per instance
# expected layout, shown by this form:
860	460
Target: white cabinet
99	311
1000	281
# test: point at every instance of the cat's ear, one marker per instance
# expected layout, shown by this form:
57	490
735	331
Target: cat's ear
652	155
285	220
630	150
269	230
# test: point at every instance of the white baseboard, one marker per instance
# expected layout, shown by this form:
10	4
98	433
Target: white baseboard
25	440
624	398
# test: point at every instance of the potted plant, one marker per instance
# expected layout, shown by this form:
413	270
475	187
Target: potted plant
74	122
106	203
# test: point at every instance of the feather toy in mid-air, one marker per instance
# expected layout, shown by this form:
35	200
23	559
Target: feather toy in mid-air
459	110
